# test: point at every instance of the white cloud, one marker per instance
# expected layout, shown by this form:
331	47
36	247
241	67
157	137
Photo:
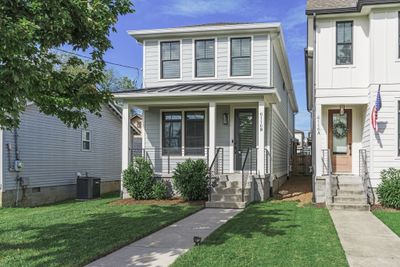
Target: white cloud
194	8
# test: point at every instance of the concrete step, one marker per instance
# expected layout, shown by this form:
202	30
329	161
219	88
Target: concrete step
347	192
350	199
351	187
230	184
348	206
349	179
229	197
229	190
225	205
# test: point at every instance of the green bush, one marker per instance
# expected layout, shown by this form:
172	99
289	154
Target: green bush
160	190
389	189
190	179
138	179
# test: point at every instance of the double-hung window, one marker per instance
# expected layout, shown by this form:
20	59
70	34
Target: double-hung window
193	137
86	140
205	58
170	60
240	56
344	43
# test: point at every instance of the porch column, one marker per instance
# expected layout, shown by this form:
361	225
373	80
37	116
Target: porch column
211	131
261	138
125	144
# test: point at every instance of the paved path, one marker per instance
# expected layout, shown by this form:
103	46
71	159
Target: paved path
163	247
366	240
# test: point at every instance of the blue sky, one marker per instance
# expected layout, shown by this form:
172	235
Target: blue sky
170	13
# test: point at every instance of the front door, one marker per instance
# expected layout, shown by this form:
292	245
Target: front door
245	135
340	140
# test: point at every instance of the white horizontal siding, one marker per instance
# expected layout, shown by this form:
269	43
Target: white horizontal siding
260	55
52	153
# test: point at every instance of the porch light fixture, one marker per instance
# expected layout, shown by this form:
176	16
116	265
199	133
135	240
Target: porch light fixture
226	118
342	110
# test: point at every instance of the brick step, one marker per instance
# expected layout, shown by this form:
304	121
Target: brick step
229	197
348	206
225	205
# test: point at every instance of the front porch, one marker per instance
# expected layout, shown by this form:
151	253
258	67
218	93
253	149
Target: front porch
231	132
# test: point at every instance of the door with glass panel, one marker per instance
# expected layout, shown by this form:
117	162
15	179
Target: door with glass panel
340	140
245	136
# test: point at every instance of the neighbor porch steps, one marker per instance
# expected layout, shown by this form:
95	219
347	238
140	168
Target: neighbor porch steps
227	194
350	194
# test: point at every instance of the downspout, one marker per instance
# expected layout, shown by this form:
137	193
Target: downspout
18	179
314	85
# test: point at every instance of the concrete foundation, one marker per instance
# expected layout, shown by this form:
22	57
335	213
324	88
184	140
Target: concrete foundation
277	182
261	188
36	196
320	190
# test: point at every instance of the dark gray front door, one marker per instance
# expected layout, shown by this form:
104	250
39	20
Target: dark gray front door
245	135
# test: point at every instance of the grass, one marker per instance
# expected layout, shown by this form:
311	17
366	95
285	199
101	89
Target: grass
390	218
271	234
75	233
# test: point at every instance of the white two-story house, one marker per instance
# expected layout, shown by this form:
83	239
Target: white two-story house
218	92
353	50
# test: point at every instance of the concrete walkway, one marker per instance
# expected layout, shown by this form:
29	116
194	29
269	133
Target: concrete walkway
163	247
366	240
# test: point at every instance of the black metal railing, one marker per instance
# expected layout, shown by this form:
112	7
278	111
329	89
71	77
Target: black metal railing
267	167
327	171
165	160
244	178
215	168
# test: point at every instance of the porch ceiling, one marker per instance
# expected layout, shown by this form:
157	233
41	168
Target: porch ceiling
219	91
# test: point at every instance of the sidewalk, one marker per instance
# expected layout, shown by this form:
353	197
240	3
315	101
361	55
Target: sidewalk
366	240
163	247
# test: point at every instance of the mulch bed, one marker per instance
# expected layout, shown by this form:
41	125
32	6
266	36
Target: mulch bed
380	207
297	188
175	201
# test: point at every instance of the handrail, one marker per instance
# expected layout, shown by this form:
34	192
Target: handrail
364	174
214	164
243	167
328	166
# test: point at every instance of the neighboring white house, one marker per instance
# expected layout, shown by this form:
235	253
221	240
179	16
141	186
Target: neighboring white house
353	48
301	140
218	92
52	155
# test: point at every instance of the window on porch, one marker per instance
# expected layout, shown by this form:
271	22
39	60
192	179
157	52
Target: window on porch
193	123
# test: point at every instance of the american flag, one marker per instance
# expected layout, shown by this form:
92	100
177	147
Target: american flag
375	110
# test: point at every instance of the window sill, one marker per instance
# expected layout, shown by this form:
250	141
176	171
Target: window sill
344	66
240	77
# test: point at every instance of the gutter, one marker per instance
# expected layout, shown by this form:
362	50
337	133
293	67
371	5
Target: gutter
354	9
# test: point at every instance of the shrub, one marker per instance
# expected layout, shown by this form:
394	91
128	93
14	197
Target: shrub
138	179
190	179
389	189
160	190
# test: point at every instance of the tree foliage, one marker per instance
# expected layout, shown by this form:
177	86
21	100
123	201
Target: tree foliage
31	71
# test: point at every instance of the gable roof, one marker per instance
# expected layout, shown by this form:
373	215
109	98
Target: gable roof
341	6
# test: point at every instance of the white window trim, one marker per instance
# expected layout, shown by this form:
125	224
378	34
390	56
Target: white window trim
182	111
180	59
83	134
251	56
348	66
215	58
397	129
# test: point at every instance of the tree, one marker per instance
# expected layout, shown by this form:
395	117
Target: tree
112	82
30	70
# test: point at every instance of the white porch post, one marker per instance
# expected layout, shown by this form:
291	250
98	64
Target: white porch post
126	134
261	138
211	131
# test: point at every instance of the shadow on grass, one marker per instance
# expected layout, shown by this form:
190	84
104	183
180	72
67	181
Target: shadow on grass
84	237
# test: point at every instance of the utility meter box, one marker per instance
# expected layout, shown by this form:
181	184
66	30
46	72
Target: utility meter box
18	165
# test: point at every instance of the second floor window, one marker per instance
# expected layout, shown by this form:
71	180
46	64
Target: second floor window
344	43
205	58
170	60
240	57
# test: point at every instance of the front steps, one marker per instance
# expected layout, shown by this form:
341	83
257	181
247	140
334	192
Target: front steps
350	194
227	194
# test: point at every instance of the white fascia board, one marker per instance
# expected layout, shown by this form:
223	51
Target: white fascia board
139	35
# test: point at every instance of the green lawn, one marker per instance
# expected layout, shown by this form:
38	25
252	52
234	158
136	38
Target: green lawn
390	218
75	233
271	234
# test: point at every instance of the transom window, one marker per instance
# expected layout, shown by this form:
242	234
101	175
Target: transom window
344	43
241	56
205	58
170	60
86	140
194	135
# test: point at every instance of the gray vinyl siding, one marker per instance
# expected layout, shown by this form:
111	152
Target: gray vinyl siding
279	146
260	61
52	153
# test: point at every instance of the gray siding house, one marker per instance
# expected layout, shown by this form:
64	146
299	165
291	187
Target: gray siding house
52	155
218	92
